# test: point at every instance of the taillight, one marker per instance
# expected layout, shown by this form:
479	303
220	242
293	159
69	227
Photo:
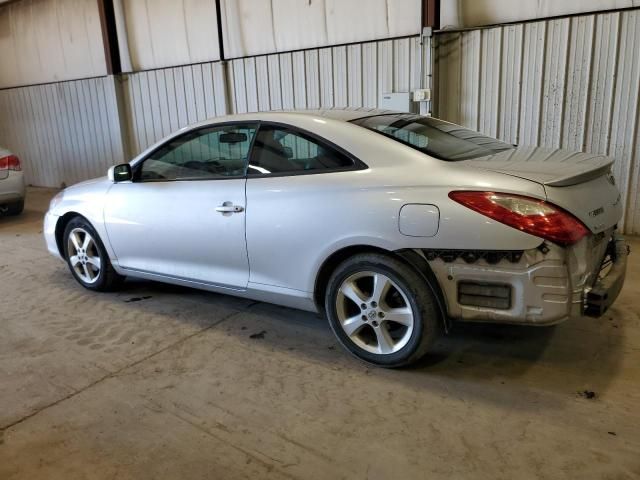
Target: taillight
10	162
530	215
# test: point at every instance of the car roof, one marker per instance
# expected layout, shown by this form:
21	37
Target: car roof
344	114
338	114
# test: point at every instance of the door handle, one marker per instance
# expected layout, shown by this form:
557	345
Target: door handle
225	208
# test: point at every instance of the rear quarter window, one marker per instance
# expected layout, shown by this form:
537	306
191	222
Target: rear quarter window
437	138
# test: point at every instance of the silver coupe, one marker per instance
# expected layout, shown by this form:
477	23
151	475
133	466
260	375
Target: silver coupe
392	224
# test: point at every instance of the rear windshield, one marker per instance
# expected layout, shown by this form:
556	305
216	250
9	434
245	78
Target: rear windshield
434	137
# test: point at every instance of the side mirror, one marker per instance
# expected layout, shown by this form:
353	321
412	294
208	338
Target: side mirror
120	173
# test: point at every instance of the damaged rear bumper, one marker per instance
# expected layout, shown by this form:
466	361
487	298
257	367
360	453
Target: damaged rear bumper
606	289
542	286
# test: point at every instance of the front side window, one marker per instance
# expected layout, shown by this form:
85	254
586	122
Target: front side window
279	150
209	153
434	137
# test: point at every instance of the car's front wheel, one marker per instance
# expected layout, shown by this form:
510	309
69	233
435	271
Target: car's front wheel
87	258
382	310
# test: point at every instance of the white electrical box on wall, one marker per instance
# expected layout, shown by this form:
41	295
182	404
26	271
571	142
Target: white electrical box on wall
396	101
422	95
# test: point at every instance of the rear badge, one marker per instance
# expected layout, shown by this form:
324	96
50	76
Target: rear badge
596	212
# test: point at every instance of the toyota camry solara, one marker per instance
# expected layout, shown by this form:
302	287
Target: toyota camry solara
392	224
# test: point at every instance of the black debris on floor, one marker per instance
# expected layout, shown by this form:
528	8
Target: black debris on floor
588	394
138	299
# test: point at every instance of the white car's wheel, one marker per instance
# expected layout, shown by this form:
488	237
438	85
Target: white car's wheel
15	208
381	310
87	257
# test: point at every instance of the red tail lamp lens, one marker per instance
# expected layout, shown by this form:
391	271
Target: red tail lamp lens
527	214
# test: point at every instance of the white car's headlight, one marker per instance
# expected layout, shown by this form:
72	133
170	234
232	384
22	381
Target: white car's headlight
56	200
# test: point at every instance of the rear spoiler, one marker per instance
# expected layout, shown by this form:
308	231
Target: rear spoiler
585	176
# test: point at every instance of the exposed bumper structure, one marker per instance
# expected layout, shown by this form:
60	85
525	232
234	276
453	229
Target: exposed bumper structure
607	288
542	286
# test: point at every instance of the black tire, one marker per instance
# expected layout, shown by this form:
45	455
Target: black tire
427	321
15	208
107	278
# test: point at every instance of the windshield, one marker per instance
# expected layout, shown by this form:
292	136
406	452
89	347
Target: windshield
434	137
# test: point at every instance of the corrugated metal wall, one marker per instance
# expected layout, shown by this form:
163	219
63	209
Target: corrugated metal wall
64	132
353	75
50	41
257	27
572	83
70	131
160	101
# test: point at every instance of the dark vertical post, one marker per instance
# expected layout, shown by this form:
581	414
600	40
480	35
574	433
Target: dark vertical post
109	36
226	74
220	36
431	14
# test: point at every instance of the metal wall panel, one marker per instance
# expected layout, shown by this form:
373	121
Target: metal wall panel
259	27
571	82
165	33
343	76
50	41
158	102
63	133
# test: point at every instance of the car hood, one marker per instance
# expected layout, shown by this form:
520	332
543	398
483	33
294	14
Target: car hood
550	167
87	183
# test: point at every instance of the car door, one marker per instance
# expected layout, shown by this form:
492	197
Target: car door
183	214
299	195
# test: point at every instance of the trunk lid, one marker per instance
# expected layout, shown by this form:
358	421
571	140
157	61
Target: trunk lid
581	183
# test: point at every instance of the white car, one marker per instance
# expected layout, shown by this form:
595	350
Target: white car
392	223
12	189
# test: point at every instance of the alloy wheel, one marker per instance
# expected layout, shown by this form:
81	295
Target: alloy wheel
84	256
374	312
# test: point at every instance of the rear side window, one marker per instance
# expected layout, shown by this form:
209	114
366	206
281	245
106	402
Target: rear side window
434	137
279	150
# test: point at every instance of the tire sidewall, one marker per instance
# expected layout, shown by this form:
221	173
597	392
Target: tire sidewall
80	222
413	346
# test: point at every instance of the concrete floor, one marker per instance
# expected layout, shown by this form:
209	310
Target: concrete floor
163	382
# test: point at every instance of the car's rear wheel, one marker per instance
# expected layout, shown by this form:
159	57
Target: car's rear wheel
382	310
87	258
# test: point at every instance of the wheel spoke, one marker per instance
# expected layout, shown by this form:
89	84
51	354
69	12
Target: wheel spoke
87	241
85	270
401	315
381	285
352	326
385	342
74	260
75	240
353	293
95	261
